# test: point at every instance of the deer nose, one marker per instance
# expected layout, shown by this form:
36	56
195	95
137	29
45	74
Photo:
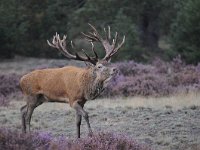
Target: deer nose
115	70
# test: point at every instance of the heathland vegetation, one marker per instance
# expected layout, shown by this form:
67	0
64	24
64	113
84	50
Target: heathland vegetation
159	61
135	79
152	106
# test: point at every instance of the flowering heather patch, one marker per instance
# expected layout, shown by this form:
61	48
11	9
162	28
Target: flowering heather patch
45	141
109	141
17	141
9	84
145	85
157	79
132	68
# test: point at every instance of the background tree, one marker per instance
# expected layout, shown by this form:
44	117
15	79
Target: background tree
148	25
186	31
7	28
101	14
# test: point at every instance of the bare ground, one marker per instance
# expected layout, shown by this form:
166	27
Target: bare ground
164	123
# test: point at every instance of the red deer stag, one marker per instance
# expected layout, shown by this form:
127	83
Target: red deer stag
70	84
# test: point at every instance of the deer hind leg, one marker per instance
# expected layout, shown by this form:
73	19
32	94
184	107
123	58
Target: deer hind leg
27	110
80	111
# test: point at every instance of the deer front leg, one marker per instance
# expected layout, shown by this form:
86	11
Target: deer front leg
79	110
78	123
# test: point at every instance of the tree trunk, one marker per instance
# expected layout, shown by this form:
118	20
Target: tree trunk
149	30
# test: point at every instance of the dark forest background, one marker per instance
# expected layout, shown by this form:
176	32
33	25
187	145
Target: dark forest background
164	28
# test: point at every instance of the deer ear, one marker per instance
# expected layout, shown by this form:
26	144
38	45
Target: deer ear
89	65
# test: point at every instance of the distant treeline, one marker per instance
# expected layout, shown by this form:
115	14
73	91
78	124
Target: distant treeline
153	28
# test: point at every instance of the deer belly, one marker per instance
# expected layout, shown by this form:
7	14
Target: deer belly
56	99
55	96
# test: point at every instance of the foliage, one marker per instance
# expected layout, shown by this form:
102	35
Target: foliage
104	13
26	25
186	30
45	141
140	21
7	27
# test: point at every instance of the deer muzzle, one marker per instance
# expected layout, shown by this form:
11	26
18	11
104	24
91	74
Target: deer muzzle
114	71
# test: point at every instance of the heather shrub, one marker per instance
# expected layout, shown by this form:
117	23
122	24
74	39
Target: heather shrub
108	141
45	141
183	75
184	78
156	79
161	67
177	64
9	84
143	85
132	68
17	141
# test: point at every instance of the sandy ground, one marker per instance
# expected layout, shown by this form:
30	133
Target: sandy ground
171	123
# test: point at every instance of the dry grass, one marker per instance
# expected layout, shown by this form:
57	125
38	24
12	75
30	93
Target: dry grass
175	101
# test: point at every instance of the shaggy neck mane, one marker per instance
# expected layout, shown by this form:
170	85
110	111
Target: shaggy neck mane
93	85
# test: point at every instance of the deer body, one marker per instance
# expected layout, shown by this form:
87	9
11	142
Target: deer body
65	84
69	84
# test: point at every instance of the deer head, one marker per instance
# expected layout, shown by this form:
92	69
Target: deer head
99	66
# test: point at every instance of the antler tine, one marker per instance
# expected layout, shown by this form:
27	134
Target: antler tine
109	36
110	48
60	44
72	44
96	56
115	39
95	33
95	36
94	29
86	54
118	47
90	37
51	44
113	49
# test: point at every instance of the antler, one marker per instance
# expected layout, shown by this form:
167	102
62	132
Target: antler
60	44
110	49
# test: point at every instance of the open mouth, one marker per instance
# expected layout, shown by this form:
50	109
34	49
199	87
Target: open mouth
113	73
